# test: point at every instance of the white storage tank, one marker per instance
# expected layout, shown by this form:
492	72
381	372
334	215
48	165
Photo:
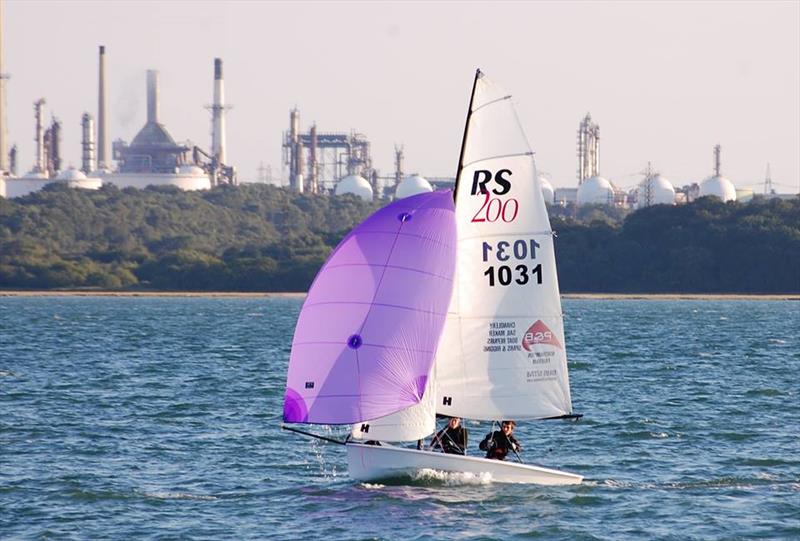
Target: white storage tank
718	186
548	192
655	190
75	178
186	177
412	185
356	185
596	191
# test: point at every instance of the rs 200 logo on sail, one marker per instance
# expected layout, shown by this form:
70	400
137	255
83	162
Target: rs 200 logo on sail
494	208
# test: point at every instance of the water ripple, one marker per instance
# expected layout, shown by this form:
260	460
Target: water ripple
159	418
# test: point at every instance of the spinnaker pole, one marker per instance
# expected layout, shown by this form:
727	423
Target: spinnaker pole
312	435
478	75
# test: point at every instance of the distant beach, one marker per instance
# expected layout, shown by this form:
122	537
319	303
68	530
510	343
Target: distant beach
683	296
93	293
235	294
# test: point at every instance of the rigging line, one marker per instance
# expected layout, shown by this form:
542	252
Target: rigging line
528	153
446	433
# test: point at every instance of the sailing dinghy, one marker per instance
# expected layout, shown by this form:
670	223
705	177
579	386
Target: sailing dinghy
440	303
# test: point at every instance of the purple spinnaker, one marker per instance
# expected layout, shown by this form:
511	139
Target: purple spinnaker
366	337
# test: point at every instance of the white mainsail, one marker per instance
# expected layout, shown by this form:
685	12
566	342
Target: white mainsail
502	351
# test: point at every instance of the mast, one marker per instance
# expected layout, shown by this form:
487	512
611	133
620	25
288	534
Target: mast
478	75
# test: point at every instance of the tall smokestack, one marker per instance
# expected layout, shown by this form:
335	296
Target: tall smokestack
218	114
38	107
312	161
54	148
296	151
102	132
398	165
87	144
152	96
3	77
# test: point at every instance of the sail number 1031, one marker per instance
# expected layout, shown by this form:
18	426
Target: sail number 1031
519	251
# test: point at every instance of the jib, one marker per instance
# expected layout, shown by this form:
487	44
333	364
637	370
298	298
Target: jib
482	177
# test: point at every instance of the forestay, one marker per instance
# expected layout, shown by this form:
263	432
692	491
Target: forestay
367	333
502	353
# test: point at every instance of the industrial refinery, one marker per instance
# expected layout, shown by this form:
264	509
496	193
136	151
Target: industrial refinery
314	160
152	158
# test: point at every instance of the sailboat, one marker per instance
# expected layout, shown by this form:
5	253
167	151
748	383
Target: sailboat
441	303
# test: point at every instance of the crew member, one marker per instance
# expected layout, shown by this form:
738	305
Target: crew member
452	438
499	443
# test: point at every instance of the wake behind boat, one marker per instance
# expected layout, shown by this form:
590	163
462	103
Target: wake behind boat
441	303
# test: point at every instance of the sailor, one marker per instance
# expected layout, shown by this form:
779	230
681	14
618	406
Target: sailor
452	439
499	443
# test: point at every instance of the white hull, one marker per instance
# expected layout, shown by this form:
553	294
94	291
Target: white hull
378	462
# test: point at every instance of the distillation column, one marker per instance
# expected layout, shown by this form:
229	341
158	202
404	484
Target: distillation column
88	164
38	107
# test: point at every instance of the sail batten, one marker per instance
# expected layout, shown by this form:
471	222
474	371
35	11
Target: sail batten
531	153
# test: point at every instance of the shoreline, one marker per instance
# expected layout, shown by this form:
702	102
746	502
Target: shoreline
297	295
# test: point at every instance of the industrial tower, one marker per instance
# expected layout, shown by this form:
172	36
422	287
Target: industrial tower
588	149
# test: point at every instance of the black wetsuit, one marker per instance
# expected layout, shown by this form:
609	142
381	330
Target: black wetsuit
451	440
497	445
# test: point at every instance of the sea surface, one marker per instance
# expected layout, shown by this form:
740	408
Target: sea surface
159	418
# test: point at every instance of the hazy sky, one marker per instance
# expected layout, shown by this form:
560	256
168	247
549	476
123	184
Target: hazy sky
666	81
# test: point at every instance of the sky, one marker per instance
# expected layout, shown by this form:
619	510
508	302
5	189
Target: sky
666	81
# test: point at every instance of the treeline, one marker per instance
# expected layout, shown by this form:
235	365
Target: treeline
244	238
704	247
263	238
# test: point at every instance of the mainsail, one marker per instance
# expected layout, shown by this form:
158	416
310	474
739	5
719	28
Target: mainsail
367	333
502	353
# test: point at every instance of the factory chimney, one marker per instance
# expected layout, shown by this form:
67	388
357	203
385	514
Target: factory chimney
218	115
3	131
102	122
312	161
12	160
87	144
295	152
398	165
38	107
52	148
152	97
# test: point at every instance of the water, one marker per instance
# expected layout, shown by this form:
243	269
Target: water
158	418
